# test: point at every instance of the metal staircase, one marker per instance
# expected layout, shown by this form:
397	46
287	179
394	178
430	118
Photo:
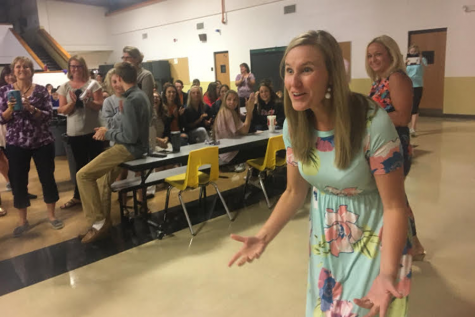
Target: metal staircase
45	58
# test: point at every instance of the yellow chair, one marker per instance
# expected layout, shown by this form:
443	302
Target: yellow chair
267	163
193	178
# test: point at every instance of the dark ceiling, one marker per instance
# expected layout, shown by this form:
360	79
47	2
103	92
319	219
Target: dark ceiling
110	4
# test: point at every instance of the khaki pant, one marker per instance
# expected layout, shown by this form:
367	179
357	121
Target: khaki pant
94	181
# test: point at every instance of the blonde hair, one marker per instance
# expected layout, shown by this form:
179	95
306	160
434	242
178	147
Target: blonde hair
201	102
235	114
397	60
82	62
134	53
348	110
23	60
108	81
416	47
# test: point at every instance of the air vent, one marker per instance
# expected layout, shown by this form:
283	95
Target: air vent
290	9
144	36
200	26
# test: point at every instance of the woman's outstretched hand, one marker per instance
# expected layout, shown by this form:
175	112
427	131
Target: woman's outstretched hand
252	248
379	296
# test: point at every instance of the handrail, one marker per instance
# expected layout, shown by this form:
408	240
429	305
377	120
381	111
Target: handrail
133	7
55	45
28	49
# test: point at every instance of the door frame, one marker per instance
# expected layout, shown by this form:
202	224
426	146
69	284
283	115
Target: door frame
423	32
426	111
215	72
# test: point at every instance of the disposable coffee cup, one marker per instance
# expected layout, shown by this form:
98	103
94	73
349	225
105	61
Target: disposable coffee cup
15	94
176	141
271	123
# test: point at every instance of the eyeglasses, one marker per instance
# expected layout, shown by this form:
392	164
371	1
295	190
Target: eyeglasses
75	66
125	58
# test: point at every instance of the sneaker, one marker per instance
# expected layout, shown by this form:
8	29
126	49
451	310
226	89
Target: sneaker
21	229
413	133
56	224
240	168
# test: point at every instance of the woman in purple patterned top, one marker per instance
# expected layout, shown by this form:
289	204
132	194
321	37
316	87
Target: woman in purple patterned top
28	136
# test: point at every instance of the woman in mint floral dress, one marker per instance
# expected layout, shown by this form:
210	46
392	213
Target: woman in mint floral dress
345	147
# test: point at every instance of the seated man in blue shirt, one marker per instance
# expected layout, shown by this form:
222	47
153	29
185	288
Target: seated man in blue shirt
131	142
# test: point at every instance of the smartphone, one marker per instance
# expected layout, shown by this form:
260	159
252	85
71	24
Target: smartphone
157	155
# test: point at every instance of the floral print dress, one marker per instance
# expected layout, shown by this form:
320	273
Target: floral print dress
346	221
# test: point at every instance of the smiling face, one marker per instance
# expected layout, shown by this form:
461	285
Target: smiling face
170	94
378	57
264	93
116	85
195	95
10	78
22	71
306	77
156	98
76	69
232	101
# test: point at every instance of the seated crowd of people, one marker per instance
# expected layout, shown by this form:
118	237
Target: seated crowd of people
112	119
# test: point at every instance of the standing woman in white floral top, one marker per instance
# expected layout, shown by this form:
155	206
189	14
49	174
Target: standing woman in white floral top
83	116
28	136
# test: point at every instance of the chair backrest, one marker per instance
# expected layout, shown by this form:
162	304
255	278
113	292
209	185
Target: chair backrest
275	144
196	159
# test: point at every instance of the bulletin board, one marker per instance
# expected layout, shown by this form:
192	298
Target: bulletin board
179	69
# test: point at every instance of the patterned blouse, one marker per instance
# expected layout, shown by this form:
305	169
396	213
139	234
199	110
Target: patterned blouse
24	130
380	93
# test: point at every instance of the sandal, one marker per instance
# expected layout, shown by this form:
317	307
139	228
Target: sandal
71	203
3	212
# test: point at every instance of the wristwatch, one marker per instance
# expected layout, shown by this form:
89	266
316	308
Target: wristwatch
34	111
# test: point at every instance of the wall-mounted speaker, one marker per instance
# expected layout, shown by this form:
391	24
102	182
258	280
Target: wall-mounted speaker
203	37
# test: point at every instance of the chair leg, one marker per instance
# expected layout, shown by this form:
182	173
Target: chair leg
201	195
246	183
264	190
166	202
186	213
222	201
204	199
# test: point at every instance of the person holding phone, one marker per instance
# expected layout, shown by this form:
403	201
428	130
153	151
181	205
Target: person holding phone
83	116
29	136
415	67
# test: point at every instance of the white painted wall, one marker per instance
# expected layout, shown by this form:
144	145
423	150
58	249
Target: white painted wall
76	27
254	24
55	79
94	59
11	48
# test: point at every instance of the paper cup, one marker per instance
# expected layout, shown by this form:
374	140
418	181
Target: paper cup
271	123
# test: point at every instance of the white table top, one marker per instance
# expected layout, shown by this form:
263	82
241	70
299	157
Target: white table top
226	145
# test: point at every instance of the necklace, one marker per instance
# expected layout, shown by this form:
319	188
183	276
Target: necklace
25	92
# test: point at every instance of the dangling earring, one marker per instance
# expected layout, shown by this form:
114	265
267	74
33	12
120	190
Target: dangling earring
328	95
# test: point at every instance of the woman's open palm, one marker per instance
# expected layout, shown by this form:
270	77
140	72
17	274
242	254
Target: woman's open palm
252	248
